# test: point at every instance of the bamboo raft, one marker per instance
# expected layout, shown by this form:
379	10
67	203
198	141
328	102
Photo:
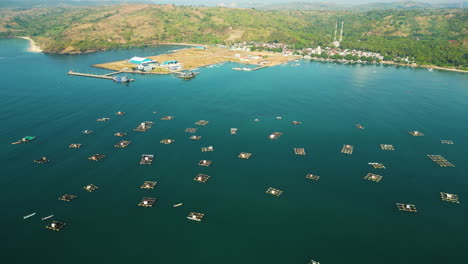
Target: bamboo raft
347	149
191	130
312	177
120	113
202	123
143	127
195	216
90	187
120	134
201	178
244	155
205	163
377	165
41	160
373	177
87	132
360	126
147	202
167	118
233	131
195	137
441	161
103	119
148	185
449	142
122	144
416	133
56	226
167	141
406	207
386	147
448	197
299	151
146	159
275	135
207	149
97	157
296	123
67	197
75	145
274	192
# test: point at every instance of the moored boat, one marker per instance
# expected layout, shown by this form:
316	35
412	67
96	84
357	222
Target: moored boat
30	215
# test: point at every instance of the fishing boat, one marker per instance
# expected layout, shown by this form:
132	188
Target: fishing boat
177	205
187	75
30	215
24	140
47	217
123	79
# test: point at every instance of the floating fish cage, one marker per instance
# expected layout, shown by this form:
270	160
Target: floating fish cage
41	160
347	149
195	137
377	165
312	177
202	123
120	113
147	202
233	131
386	147
274	192
205	163
373	177
75	145
167	141
56	225
296	123
195	216
441	161
275	135
416	133
360	126
244	155
24	140
120	134
201	178
406	207
104	119
449	142
148	185
191	130
143	127
167	118
87	132
90	187
67	197
207	149
122	144
299	151
449	197
146	159
97	157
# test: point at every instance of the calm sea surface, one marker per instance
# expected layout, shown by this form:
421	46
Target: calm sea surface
341	218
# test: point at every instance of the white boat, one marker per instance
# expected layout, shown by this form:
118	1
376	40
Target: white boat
430	69
47	217
177	205
27	216
193	218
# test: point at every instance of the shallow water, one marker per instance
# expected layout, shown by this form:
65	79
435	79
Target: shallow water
341	218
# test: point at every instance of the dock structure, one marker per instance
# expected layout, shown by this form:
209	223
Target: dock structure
207	149
233	131
195	137
312	177
386	147
166	118
274	192
441	161
448	197
67	197
146	159
147	202
244	155
201	178
377	165
75	145
120	113
195	216
120	134
148	185
91	75
205	163
41	160
296	123
122	144
299	151
103	119
90	187
360	126
416	133
87	132
373	177
56	225
190	130
347	149
275	135
144	126
167	141
448	142
406	207
97	157
202	123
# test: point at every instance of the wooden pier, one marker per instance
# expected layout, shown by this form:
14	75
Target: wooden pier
92	75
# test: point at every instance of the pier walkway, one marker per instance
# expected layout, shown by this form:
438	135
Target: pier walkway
92	75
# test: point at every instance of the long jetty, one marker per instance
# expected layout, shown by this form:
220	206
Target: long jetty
106	76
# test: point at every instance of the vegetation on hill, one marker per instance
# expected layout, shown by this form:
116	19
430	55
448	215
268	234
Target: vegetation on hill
432	36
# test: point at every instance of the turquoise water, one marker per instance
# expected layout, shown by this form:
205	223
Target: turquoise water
341	218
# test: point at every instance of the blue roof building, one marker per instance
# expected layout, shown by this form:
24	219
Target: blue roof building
139	60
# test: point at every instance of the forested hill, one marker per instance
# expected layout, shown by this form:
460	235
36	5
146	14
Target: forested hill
432	36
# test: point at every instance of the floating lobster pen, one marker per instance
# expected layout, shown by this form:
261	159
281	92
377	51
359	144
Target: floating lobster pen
75	145
201	178
104	119
275	135
190	130
120	134
373	177
90	187
148	185
167	118
41	160
406	207
97	157
377	165
147	202
120	113
195	137
195	216
56	226
441	161
122	144
167	141
312	177
274	192
202	123
386	147
448	197
87	132
143	127
360	126
244	155
299	151
449	142
24	140
205	163
233	131
207	149
416	133
296	123
67	197
347	149
146	159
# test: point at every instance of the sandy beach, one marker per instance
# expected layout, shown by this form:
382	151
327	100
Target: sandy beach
32	45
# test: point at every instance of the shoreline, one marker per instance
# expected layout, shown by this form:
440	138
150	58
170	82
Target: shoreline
32	45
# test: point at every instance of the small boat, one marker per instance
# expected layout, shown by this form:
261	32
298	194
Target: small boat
47	217
27	216
122	79
177	205
430	69
24	140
